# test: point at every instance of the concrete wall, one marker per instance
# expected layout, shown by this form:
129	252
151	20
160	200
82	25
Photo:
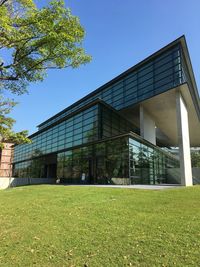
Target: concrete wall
6	182
120	181
147	126
184	141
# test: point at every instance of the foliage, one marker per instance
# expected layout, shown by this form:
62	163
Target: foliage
88	226
33	40
195	158
6	124
38	39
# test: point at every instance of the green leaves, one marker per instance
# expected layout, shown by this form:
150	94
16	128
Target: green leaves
6	124
35	40
39	39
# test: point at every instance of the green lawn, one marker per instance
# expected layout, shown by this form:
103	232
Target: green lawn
87	226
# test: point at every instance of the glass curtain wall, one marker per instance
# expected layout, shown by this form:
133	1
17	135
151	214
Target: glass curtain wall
92	124
151	78
123	160
101	163
77	130
119	161
113	124
151	165
30	169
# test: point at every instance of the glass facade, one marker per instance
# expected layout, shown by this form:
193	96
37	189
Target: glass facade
153	77
151	165
122	160
98	162
90	142
112	124
76	130
93	123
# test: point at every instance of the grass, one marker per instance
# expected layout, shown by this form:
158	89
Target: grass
87	226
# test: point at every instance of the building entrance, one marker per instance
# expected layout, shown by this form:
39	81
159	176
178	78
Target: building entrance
50	167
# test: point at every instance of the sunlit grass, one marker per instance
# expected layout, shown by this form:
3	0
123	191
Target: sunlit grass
87	226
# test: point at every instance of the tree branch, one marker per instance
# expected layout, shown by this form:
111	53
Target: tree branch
9	78
55	68
3	2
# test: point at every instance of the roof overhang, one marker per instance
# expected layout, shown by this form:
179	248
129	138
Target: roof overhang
191	82
162	109
193	88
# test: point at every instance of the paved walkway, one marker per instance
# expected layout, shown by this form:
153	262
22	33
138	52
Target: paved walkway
138	186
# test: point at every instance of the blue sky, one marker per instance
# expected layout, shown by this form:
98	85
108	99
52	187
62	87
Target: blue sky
119	34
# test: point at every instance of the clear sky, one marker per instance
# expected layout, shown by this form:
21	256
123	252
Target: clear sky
119	34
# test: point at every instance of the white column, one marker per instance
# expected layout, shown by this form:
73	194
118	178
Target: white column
184	141
147	126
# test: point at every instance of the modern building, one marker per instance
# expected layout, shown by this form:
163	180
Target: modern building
122	132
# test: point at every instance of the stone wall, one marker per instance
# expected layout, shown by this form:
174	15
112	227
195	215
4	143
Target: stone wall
6	182
6	160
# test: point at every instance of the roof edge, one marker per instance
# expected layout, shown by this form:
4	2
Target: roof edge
193	88
117	78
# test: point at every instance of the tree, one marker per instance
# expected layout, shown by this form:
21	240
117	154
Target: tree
6	124
35	40
195	158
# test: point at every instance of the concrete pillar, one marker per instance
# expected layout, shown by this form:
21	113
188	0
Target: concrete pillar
184	141
147	126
